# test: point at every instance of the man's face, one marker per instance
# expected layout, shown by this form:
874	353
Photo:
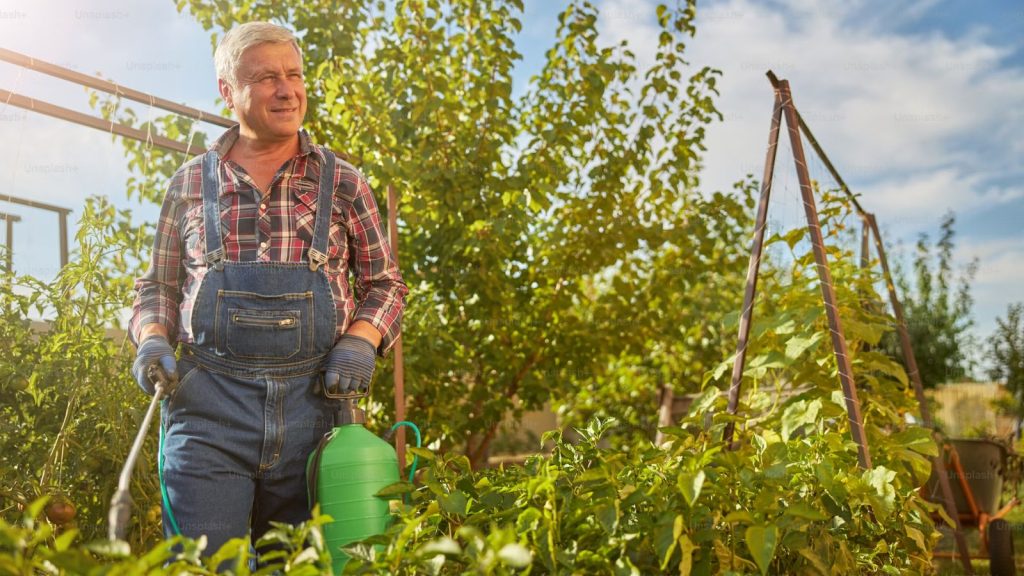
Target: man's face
268	94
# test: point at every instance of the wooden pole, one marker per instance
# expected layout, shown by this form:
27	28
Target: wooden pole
938	465
756	248
399	369
827	289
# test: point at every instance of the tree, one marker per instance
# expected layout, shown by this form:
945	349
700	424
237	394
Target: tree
518	216
1007	355
937	307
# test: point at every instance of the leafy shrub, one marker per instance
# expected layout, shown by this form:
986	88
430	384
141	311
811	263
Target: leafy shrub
69	408
781	504
33	546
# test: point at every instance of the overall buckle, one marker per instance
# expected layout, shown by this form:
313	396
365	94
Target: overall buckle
316	259
216	258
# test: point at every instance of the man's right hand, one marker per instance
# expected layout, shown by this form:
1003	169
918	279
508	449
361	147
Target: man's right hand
154	351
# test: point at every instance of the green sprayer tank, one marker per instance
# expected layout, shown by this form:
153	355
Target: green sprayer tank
344	473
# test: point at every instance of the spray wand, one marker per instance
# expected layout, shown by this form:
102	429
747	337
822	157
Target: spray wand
121	503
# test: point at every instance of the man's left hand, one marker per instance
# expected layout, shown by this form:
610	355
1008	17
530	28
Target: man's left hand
350	365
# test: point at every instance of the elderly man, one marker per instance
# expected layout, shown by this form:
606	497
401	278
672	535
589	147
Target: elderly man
250	277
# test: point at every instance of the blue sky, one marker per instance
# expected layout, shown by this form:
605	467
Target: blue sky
917	102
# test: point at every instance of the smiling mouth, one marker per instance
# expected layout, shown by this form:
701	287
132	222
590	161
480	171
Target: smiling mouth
279	110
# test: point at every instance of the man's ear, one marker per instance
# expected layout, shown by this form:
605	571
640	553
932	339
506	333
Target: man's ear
225	92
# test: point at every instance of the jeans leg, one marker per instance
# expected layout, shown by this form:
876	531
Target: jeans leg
210	456
281	489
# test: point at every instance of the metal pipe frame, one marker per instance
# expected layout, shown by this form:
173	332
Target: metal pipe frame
9	257
62	215
59	112
31	63
110	126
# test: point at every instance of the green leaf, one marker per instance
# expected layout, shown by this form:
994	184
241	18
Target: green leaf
690	484
798	414
686	547
771	359
442	545
794	236
804	510
396	489
918	538
797	345
880	479
761	541
115	549
528	520
669	540
454	503
421	452
741	516
515	555
720	369
62	542
916	438
608	516
705	401
815	561
37	505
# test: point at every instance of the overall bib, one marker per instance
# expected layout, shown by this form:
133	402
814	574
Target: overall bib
248	410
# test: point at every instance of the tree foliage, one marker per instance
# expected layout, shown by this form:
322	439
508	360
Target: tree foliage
536	223
1006	352
937	305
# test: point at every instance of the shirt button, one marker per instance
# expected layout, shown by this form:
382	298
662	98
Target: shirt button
263	245
263	206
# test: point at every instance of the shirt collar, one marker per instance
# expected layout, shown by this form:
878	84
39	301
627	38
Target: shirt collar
228	139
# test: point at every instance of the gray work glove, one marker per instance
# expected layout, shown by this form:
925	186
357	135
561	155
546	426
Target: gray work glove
350	365
154	351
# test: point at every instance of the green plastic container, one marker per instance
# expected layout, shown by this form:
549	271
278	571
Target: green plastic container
354	465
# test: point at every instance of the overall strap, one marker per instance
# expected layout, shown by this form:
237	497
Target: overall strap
324	208
211	210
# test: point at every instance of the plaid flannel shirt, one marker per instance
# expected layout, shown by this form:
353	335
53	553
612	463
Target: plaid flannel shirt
274	228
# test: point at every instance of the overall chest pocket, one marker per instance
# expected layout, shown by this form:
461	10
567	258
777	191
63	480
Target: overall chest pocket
264	327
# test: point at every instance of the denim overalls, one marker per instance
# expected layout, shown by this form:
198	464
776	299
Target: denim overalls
248	410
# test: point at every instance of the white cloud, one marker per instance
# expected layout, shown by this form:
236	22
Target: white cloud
883	105
914	200
918	124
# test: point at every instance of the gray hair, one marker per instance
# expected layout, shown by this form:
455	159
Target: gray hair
240	38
